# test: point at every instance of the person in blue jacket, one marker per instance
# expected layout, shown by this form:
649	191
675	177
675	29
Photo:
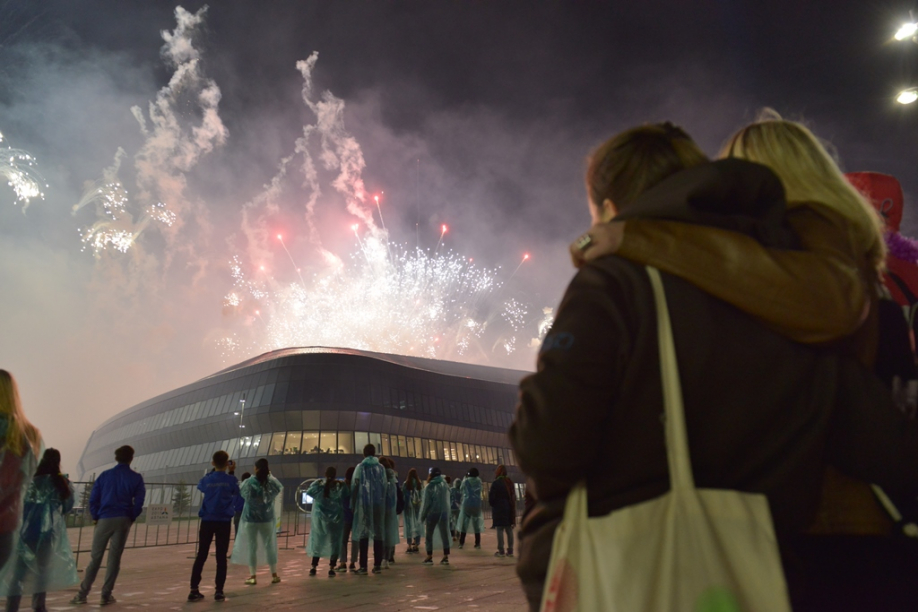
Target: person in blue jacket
470	511
115	503
348	523
217	508
327	520
44	560
368	499
435	515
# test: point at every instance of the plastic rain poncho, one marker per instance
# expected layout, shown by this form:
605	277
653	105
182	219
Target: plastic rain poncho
391	538
327	526
412	512
470	519
258	510
42	560
368	500
455	502
435	509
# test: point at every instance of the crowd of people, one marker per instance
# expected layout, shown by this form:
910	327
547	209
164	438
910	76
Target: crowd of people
35	552
772	265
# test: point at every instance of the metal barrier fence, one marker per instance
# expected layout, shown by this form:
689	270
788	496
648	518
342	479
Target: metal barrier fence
183	529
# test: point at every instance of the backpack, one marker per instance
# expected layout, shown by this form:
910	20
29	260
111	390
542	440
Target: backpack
399	499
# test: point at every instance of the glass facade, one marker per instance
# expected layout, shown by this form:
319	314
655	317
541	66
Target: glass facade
305	409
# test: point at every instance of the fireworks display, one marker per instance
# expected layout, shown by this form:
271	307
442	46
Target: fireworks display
385	298
19	169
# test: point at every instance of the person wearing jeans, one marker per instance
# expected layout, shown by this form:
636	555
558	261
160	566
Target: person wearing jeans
502	498
217	509
115	503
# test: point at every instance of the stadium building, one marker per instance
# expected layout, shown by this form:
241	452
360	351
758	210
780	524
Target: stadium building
308	408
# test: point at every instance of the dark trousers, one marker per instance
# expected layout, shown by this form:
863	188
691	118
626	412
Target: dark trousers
236	518
477	539
443	525
378	552
210	530
331	562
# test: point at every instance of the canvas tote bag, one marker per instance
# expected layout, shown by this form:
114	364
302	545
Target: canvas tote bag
692	550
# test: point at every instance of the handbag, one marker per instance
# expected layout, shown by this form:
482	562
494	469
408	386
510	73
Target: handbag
692	550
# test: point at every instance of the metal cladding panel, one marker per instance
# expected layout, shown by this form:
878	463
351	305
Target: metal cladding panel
376	422
362	421
328	419
293	420
311	419
347	421
278	421
262	423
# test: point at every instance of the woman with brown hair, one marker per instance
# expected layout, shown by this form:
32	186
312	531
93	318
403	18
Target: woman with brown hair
257	540
412	494
764	414
20	446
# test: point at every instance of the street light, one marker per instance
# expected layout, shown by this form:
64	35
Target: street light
908	30
907	96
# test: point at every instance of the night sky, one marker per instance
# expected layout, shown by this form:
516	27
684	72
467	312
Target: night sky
474	114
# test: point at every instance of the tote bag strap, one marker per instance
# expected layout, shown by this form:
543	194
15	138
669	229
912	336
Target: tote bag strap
677	449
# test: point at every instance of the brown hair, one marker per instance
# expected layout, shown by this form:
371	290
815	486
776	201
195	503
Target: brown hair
413	483
124	454
330	475
20	433
630	163
220	459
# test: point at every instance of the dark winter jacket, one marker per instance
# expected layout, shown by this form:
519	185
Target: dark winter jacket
502	506
763	414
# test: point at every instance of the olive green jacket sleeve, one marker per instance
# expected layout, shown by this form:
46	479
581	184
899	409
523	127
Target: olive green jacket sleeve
815	295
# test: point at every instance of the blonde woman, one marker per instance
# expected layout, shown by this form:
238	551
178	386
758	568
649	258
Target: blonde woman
20	446
821	293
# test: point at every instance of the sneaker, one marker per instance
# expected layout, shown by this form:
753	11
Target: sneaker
376	569
360	572
275	579
195	595
342	567
392	560
499	554
219	596
78	599
352	567
428	561
106	600
331	573
444	561
460	546
251	581
312	571
510	553
385	565
478	547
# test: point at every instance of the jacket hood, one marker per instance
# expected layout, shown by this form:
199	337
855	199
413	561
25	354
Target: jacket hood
730	194
436	480
885	194
370	461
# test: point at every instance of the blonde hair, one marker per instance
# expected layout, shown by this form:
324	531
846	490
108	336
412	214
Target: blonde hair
810	174
19	431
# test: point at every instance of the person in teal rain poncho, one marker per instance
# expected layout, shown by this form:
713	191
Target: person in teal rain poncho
43	559
257	540
455	502
435	515
392	492
327	520
368	500
348	524
412	494
470	518
20	446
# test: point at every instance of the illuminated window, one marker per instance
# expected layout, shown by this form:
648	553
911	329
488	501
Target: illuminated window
292	446
329	442
361	439
277	444
346	443
310	442
385	446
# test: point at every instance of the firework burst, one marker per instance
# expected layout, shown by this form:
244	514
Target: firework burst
19	169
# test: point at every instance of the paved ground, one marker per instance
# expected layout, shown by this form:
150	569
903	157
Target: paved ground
157	579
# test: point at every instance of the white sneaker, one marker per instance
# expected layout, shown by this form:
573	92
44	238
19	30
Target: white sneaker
385	565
